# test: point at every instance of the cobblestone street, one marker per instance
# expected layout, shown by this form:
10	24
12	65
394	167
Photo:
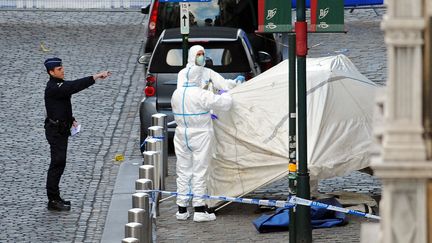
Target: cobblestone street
89	42
364	45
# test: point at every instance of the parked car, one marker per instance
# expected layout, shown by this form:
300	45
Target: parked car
240	14
228	51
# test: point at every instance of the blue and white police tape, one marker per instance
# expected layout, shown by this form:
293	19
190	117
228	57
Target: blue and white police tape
151	137
301	201
272	203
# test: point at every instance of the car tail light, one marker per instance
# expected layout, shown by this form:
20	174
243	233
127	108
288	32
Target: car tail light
149	91
150	79
153	19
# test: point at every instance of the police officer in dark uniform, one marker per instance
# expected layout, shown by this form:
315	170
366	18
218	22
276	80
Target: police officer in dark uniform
58	123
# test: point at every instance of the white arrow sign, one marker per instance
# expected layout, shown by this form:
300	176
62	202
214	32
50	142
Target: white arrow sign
184	18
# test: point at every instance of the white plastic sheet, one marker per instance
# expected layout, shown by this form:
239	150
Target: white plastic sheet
252	139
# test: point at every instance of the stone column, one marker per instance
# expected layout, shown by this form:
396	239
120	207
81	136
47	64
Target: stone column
403	163
403	25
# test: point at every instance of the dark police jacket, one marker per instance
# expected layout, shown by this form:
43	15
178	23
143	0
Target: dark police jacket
58	95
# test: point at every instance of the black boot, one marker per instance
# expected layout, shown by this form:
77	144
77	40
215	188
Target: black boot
58	205
200	209
182	209
65	202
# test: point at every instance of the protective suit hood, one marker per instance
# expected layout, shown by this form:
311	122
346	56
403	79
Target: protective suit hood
192	54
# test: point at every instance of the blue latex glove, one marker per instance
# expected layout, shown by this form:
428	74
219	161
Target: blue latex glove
213	117
240	79
221	91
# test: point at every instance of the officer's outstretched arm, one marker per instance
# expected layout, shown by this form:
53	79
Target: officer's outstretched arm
102	75
72	87
68	88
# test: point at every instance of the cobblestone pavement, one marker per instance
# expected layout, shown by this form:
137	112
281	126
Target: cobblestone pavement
92	41
364	45
87	42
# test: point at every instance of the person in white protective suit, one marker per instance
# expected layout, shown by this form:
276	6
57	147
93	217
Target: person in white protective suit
193	139
196	56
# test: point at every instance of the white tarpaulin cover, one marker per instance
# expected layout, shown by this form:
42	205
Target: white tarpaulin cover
252	139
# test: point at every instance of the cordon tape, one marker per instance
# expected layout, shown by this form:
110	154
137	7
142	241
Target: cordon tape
293	200
154	137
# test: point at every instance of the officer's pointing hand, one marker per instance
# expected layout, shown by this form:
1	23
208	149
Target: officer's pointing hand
102	75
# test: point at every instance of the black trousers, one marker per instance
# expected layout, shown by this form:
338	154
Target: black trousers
58	141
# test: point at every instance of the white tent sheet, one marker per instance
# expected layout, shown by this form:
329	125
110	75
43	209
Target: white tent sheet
252	139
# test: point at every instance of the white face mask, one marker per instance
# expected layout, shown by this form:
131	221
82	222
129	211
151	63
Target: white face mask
200	60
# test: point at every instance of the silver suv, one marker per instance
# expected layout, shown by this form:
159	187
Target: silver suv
228	52
241	14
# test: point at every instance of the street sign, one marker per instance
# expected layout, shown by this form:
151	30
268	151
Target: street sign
184	18
274	16
184	1
327	16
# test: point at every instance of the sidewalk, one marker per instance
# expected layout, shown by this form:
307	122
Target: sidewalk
121	201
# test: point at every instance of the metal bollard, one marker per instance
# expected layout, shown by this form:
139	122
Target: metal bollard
141	200
147	172
134	230
136	215
143	184
150	157
146	184
154	158
161	119
139	215
154	144
130	240
156	132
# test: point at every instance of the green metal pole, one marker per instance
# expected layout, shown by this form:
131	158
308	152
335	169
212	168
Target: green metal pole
292	166
303	219
185	39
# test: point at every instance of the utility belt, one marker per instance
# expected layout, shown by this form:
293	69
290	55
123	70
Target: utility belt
57	123
58	126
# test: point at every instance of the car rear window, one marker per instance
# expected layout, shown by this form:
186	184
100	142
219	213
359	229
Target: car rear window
217	57
225	13
225	57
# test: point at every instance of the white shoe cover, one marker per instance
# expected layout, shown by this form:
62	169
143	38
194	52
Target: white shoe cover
182	216
203	217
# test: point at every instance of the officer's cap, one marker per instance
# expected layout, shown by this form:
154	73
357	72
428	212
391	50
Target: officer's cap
51	63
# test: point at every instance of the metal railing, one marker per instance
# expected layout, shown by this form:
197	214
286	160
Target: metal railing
72	4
